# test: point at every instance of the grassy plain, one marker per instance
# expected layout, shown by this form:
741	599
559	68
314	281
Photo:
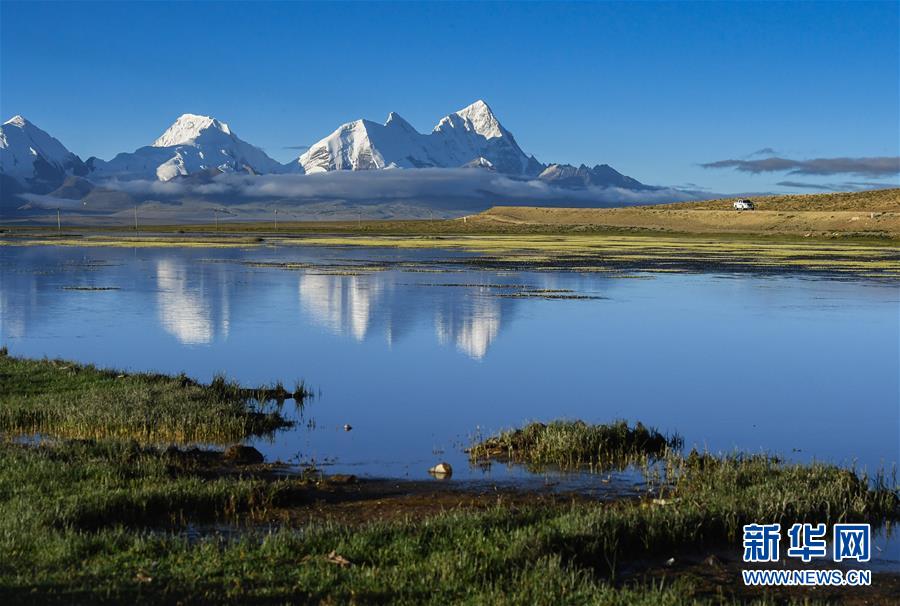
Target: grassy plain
873	215
847	215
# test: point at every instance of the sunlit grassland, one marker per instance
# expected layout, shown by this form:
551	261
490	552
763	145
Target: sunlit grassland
103	522
65	399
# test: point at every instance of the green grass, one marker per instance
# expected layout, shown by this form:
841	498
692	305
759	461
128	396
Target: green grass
93	522
575	444
65	399
87	484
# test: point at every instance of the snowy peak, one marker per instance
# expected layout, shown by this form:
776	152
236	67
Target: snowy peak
470	137
33	159
474	132
187	128
360	145
18	121
477	118
394	120
18	135
192	145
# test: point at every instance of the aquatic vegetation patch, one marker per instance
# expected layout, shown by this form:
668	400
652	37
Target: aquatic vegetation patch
514	291
611	252
575	444
550	296
66	399
623	253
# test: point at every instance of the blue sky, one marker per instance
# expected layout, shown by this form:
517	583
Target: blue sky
654	90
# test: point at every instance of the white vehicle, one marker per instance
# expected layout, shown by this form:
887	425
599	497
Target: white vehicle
743	205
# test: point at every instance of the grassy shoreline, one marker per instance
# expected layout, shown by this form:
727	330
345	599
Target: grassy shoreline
108	522
70	400
120	518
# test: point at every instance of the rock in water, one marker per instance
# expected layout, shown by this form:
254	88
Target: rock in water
441	470
243	455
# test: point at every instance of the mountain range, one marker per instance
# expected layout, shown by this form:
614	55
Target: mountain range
471	137
197	149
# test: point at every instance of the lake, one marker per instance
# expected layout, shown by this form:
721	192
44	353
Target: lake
419	354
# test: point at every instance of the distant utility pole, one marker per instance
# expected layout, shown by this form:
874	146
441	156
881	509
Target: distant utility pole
216	212
58	224
135	218
276	219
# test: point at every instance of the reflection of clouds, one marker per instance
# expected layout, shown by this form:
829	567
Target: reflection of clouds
343	304
183	310
473	327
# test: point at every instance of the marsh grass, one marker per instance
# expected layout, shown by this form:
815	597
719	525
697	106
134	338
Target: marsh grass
575	444
656	253
65	399
604	251
89	484
775	490
93	522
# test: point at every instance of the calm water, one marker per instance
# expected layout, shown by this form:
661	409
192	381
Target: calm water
417	361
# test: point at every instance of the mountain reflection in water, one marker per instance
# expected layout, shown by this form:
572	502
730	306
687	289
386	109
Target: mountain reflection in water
418	353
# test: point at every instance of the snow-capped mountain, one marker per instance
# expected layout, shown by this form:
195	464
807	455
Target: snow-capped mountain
32	160
470	137
193	144
367	145
474	132
601	175
197	149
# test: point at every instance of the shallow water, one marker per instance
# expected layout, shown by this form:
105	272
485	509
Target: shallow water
417	362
